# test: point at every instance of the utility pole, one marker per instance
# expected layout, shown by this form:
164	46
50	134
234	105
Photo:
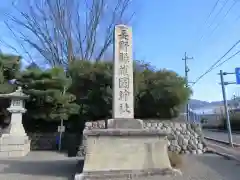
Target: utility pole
185	59
61	127
226	106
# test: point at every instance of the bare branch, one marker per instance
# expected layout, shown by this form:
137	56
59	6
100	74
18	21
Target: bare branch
62	31
19	42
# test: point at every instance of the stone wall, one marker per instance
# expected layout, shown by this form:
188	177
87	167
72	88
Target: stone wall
47	141
183	138
71	143
43	141
95	125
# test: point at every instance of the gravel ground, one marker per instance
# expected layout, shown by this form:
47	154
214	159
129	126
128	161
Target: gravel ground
53	166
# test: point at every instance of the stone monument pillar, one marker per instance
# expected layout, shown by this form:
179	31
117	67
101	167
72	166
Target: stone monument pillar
123	97
15	143
125	149
123	93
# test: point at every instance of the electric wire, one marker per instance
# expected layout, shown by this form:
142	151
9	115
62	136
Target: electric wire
210	14
219	23
218	13
215	65
203	35
227	59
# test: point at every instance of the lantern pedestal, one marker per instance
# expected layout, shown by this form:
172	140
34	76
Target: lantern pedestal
15	143
16	127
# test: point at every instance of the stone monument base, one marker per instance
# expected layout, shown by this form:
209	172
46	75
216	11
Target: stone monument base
125	124
114	153
14	146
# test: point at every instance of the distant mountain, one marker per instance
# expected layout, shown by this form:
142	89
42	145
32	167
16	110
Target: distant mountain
196	104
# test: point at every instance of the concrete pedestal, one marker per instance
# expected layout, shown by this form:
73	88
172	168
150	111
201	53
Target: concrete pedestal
16	143
114	153
14	146
16	127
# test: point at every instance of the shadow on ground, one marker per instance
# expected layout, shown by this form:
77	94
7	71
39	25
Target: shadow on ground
53	166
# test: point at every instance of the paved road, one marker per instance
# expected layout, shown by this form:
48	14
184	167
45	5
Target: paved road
206	167
52	166
222	136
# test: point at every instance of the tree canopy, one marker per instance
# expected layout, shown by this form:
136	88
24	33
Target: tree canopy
73	37
9	68
83	92
49	96
158	93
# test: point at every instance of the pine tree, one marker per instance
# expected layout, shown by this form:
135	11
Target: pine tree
9	68
49	98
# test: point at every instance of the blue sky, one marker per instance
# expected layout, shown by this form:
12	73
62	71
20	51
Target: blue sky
164	29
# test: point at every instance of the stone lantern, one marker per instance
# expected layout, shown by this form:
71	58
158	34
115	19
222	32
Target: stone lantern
15	142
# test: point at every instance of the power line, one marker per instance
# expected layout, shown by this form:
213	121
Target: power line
238	17
234	3
227	59
213	9
219	12
210	14
208	18
214	65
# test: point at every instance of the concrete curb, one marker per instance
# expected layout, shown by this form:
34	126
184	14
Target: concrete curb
220	141
225	155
